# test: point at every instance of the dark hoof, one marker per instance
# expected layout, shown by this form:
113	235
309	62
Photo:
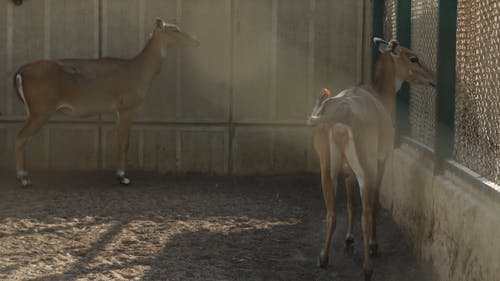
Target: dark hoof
349	241
368	276
323	262
349	245
374	250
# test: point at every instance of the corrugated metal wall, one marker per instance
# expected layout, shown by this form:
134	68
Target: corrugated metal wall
237	104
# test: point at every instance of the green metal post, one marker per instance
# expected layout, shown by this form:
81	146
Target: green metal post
378	26
403	31
446	76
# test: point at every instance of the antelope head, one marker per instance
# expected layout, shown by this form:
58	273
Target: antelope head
170	35
407	66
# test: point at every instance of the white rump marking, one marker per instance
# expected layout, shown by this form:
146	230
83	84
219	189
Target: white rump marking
19	82
319	107
353	160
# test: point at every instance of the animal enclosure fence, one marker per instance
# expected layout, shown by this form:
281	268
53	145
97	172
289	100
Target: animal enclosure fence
461	120
477	143
237	104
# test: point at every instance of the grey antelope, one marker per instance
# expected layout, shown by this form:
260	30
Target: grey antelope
354	136
86	87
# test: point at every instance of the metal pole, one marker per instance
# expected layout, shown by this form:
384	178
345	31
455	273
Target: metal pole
446	76
403	33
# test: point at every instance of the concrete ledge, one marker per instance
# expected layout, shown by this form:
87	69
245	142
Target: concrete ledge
453	226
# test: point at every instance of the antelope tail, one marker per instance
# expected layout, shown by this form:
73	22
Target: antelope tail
18	85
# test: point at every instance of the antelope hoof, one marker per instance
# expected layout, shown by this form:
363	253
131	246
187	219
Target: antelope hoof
374	250
124	181
349	245
323	261
368	276
25	182
122	178
24	179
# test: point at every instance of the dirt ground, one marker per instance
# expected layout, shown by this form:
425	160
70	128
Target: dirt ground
82	226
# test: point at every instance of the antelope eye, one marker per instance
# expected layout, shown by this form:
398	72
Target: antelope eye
414	59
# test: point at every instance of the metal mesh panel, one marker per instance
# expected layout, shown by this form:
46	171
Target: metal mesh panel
424	39
390	19
477	117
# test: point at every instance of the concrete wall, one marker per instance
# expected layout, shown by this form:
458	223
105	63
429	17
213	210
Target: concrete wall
452	225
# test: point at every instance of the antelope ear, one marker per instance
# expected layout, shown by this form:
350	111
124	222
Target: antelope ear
159	23
381	44
394	47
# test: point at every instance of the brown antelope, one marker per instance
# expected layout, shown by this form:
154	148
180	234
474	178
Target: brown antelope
355	131
86	87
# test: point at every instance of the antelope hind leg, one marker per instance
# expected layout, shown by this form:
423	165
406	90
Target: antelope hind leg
350	196
329	156
31	126
374	249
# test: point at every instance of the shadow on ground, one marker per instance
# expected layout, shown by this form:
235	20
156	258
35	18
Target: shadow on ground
81	226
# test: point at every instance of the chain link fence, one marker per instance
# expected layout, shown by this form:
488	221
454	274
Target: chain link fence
477	109
477	115
390	12
424	26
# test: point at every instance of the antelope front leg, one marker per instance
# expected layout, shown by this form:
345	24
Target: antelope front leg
122	134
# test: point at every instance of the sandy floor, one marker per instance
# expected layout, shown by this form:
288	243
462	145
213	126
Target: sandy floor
82	226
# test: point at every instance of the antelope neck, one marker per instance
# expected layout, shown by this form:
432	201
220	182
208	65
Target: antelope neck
385	83
149	60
